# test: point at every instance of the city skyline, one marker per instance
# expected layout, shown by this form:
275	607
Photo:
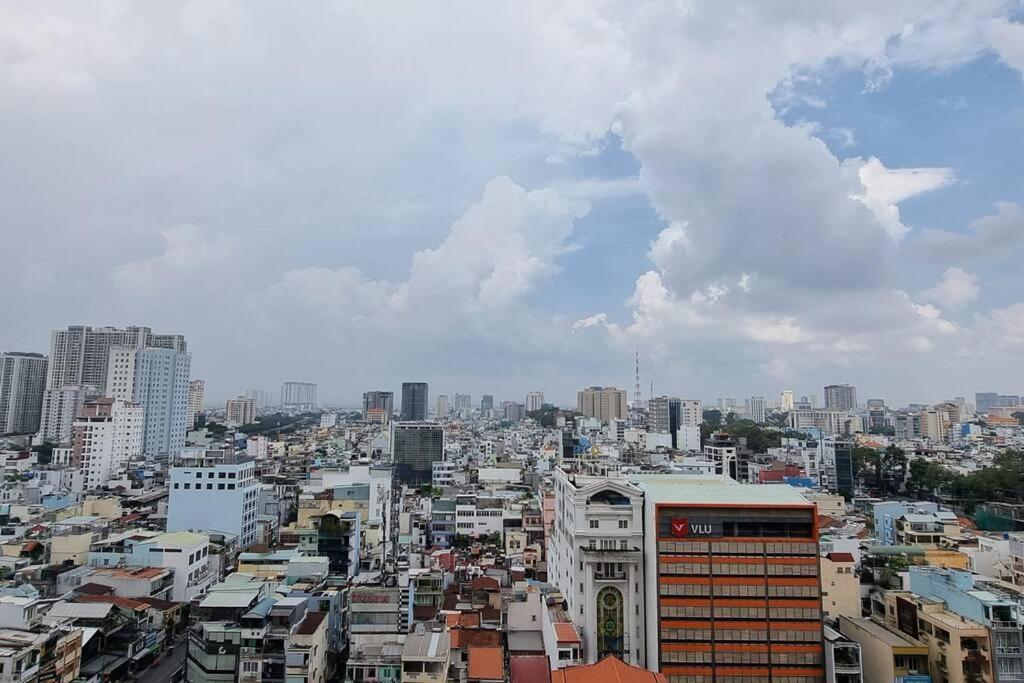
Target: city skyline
821	197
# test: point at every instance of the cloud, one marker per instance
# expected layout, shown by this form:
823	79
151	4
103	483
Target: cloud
1007	39
992	235
954	289
188	253
885	188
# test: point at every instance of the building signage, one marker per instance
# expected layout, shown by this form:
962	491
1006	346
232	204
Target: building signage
370	597
682	527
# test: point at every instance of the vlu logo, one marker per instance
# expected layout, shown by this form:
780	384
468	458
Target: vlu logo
681	527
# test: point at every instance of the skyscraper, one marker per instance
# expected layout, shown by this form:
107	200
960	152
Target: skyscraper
156	379
840	397
534	401
80	354
382	401
415	448
786	400
414	401
486	403
756	408
462	403
298	395
240	411
603	403
22	382
196	400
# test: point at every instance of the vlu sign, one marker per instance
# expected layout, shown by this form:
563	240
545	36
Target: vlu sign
682	527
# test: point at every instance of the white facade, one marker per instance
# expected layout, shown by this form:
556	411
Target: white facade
475	516
240	411
156	379
298	395
216	491
106	436
186	553
692	413
60	408
688	438
595	551
786	400
756	408
80	354
534	401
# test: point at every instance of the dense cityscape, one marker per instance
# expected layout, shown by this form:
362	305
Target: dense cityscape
149	535
588	341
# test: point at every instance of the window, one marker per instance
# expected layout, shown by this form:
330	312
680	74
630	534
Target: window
188	486
623	523
220	487
594	524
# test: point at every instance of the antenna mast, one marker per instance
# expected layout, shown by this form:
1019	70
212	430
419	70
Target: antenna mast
637	401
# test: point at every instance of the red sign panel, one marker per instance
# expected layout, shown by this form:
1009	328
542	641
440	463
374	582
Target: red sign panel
680	527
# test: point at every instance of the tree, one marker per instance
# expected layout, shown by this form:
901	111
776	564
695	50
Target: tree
894	467
713	417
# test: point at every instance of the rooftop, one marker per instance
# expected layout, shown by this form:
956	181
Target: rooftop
486	664
611	669
698	489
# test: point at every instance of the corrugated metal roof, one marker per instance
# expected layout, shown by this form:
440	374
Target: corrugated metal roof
717	490
80	610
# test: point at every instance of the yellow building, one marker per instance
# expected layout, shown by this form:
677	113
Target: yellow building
840	586
958	648
885	654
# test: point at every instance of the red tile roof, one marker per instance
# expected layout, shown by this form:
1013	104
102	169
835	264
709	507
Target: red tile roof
841	557
611	669
462	619
529	669
485	583
486	664
566	633
469	637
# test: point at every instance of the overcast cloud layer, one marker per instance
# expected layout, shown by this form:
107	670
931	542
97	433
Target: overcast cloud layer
361	193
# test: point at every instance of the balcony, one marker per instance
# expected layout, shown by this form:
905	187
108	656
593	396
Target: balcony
610	575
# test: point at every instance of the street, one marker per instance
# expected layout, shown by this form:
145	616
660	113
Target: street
169	663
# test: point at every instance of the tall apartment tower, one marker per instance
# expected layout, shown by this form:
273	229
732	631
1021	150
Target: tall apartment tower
60	408
80	354
106	435
22	382
415	448
733	589
442	406
486	403
298	395
196	400
603	403
786	401
534	401
756	408
665	416
156	379
381	403
840	397
414	401
240	411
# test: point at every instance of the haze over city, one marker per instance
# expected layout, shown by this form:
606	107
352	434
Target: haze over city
501	198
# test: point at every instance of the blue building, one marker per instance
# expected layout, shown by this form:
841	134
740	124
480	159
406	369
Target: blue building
885	513
964	594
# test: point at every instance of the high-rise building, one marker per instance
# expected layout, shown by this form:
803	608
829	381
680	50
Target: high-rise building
240	411
732	582
262	399
756	408
382	403
692	412
298	395
462	403
876	414
80	354
196	400
514	411
486	403
157	379
603	403
214	490
415	448
840	397
106	435
727	404
665	416
786	400
60	408
414	401
534	401
22	382
442	405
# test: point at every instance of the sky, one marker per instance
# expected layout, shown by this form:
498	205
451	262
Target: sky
502	197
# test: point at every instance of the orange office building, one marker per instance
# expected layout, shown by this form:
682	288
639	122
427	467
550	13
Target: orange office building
732	582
